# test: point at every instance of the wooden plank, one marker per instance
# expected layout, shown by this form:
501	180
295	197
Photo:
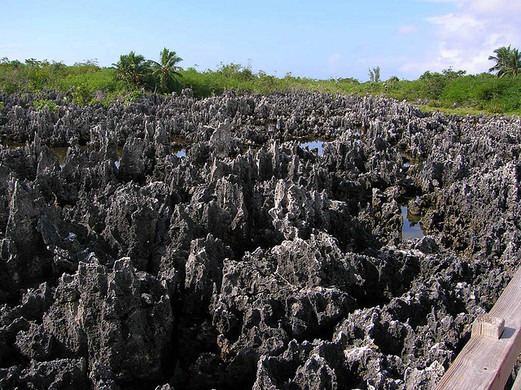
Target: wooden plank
487	359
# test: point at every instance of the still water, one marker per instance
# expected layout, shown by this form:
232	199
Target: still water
411	227
315	144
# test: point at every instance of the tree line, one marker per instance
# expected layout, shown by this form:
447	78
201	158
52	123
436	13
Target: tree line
87	82
163	75
507	63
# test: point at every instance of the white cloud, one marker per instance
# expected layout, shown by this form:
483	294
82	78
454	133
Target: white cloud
494	7
407	29
469	34
456	24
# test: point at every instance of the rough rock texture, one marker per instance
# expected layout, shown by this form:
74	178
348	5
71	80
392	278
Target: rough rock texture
252	262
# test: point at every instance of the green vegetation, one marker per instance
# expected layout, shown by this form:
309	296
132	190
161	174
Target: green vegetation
87	83
84	83
42	104
133	70
166	71
137	72
508	62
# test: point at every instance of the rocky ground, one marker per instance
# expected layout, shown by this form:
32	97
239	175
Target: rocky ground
252	262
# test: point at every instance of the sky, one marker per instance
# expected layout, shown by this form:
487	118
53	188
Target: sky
312	38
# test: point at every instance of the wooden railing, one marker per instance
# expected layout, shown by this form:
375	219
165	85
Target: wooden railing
487	359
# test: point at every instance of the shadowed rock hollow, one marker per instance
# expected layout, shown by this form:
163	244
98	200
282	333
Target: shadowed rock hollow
252	262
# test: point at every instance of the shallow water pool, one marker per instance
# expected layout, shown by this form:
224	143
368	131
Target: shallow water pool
411	227
181	153
315	144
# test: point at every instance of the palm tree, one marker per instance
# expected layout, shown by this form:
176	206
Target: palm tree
166	70
508	62
374	74
133	69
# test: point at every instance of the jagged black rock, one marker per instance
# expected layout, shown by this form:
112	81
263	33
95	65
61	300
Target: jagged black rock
252	262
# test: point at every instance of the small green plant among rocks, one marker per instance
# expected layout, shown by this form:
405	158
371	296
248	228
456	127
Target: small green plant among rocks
45	104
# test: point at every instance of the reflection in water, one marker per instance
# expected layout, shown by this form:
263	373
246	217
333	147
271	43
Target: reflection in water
181	153
411	227
315	144
11	144
61	153
119	153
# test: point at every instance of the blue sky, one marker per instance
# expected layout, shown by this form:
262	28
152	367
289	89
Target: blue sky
319	39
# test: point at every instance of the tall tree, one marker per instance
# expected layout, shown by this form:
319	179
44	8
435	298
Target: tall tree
133	69
166	71
374	74
508	61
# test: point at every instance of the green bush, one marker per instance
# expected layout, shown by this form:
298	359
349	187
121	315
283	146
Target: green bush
44	104
433	84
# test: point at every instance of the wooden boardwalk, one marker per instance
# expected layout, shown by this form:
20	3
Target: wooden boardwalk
487	359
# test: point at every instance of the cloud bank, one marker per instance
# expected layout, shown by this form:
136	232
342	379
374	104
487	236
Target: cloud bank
468	35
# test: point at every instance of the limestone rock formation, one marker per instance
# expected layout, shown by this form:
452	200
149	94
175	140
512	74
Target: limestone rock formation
251	262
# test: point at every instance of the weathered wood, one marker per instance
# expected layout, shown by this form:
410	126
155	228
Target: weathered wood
487	359
488	326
